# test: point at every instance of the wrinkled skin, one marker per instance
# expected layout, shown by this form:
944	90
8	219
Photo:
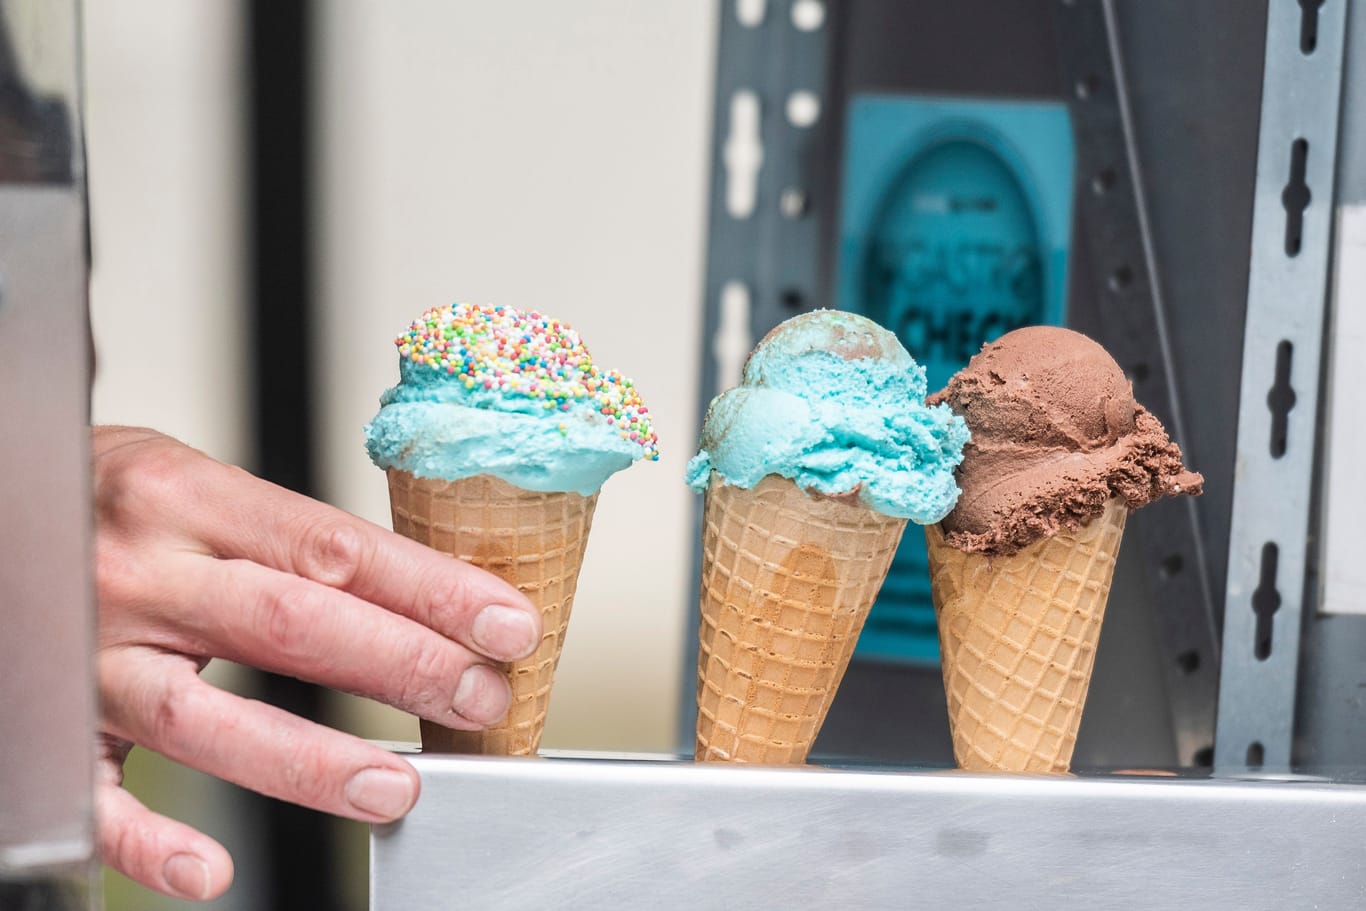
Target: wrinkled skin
198	560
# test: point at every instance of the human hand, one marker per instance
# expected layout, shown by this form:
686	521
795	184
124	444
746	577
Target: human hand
196	560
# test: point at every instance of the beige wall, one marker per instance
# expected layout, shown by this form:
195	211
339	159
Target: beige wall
164	112
164	108
547	155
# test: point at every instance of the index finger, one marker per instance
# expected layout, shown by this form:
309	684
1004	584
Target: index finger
255	520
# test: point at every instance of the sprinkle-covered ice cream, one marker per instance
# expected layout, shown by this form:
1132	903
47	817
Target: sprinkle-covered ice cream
509	393
832	401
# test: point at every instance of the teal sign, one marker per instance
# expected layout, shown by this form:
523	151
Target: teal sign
956	223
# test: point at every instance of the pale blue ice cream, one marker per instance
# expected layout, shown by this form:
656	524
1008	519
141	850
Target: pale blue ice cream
833	401
513	394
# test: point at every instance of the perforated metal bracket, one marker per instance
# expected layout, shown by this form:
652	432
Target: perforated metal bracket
1282	341
768	196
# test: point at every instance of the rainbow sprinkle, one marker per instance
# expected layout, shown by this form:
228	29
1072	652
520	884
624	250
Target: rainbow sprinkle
525	353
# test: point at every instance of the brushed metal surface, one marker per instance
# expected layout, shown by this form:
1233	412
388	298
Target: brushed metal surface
46	673
608	833
47	713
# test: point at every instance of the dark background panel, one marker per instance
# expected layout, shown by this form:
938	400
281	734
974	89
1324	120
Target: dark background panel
1194	77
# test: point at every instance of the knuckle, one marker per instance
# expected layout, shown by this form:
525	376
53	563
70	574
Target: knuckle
116	576
429	682
447	601
177	723
157	477
308	778
124	847
289	615
333	553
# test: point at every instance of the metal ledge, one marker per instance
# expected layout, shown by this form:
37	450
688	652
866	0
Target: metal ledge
617	833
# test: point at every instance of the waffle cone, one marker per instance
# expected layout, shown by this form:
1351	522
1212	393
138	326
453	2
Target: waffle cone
1017	637
787	582
532	540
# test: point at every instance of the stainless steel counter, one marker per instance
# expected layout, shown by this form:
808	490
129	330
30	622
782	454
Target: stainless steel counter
613	832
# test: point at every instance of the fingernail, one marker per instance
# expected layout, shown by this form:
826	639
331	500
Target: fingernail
187	875
381	792
504	632
482	694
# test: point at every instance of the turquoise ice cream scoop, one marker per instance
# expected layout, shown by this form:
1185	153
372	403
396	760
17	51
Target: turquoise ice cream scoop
832	401
509	393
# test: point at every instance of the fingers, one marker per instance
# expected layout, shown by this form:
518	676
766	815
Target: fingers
247	613
163	706
315	541
160	853
153	485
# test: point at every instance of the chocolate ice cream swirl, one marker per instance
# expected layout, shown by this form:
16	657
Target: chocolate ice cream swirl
1056	434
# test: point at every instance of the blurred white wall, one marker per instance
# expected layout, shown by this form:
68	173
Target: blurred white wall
164	112
544	155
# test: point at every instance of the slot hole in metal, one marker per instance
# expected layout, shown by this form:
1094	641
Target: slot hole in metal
1295	197
808	15
1309	25
730	346
1087	86
1172	564
1256	754
1121	279
1188	661
743	155
1266	600
1280	399
803	109
750	13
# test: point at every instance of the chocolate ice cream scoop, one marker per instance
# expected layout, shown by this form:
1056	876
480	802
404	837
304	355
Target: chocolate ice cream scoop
1056	434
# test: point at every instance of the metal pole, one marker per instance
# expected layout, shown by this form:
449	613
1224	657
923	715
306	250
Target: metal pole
1277	419
47	713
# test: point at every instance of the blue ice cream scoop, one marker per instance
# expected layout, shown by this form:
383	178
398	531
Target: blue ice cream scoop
510	393
832	401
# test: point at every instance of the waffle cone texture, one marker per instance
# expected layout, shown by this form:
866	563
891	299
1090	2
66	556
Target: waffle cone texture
787	583
1017	637
534	541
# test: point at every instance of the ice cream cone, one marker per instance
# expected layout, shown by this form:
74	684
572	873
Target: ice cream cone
787	582
532	540
1018	638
